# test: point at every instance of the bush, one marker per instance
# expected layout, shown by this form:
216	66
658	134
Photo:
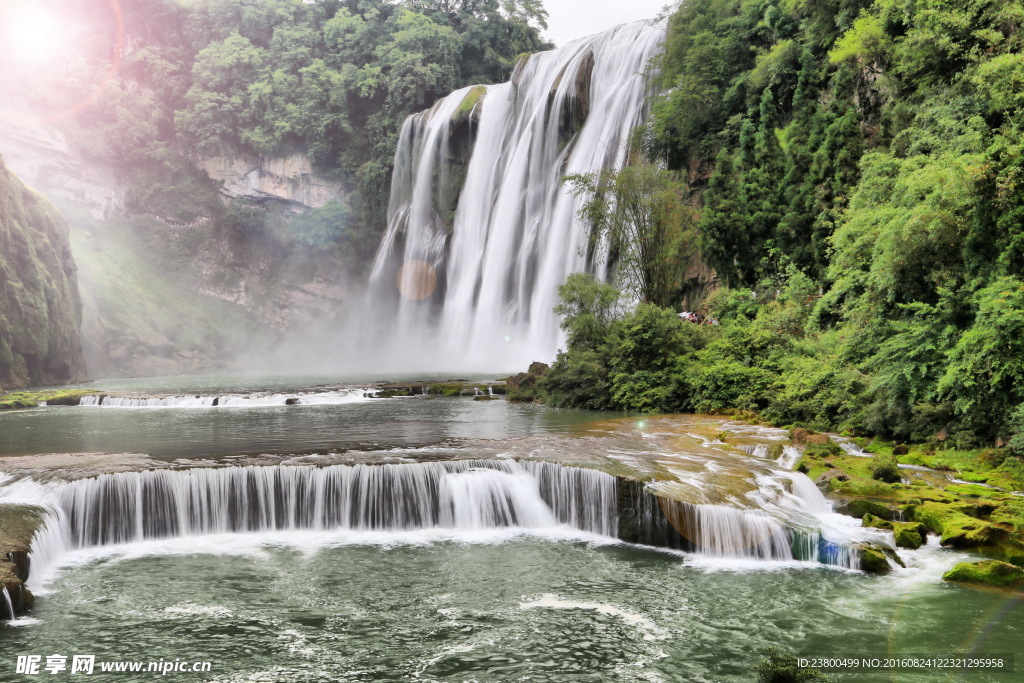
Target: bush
884	468
647	351
577	380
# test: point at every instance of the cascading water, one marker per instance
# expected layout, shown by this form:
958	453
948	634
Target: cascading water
8	604
787	523
227	400
128	507
481	228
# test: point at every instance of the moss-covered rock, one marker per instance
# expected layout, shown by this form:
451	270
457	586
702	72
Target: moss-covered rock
31	399
956	529
987	573
859	507
40	308
469	106
910	536
392	393
907	534
523	387
18	524
872	521
874	558
822	450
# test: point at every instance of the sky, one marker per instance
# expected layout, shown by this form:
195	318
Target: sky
570	19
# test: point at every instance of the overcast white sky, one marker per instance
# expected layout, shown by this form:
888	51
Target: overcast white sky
569	19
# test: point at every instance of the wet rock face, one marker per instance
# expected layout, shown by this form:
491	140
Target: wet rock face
40	308
18	524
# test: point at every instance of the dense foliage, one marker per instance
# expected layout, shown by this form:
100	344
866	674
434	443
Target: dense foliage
333	79
858	173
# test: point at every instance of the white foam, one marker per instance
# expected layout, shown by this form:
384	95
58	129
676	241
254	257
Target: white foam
550	601
254	400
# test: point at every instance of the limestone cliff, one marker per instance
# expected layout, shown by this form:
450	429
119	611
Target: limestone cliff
289	179
40	309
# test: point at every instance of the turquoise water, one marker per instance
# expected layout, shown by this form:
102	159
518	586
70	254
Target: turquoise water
492	607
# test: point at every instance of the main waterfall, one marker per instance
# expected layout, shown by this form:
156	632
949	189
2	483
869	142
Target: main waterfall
481	228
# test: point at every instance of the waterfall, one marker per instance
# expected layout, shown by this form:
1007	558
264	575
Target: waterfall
8	603
481	228
228	400
464	495
791	522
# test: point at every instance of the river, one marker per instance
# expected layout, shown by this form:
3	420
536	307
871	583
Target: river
521	598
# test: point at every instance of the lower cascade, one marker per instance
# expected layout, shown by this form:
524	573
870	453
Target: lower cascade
461	495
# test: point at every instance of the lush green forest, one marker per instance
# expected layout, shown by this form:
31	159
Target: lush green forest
855	173
332	79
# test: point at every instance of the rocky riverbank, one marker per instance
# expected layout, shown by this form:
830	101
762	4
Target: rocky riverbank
970	500
18	525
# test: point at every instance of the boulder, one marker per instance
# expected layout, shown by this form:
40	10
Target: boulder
987	573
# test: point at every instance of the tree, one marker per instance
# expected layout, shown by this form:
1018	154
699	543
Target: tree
640	218
985	375
587	310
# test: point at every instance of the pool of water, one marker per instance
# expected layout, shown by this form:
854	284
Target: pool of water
490	606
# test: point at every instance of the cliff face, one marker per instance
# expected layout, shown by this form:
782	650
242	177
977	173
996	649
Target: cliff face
288	179
41	156
40	309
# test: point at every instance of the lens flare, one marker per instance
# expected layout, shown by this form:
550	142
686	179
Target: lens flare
416	280
32	33
36	38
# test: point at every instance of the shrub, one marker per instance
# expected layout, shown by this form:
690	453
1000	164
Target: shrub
884	468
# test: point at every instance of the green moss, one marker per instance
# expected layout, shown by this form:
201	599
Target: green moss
469	103
856	486
392	393
876	522
823	450
969	490
446	389
31	399
987	573
957	529
860	507
875	558
910	536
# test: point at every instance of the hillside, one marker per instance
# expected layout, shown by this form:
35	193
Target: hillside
40	310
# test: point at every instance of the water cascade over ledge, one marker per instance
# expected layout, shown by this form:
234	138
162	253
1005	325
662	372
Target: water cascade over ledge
460	496
481	228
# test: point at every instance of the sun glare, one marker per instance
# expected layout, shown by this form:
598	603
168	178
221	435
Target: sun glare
31	32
